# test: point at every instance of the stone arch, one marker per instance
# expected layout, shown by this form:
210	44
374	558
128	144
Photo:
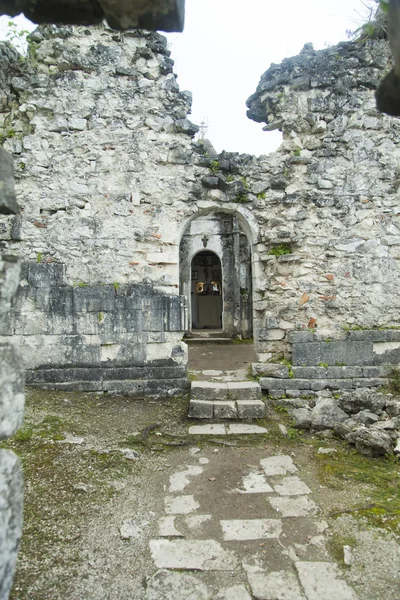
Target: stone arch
227	234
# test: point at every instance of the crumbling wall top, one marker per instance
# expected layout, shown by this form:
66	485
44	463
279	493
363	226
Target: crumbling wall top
321	81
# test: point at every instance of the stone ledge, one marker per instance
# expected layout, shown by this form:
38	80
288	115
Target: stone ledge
279	388
241	390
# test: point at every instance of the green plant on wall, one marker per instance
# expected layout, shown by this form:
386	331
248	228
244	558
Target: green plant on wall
214	167
280	250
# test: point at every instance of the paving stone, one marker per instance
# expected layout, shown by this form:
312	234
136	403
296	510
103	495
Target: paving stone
181	505
278	465
216	429
211	373
207	390
236	592
247	390
250	409
276	585
201	409
255	483
301	506
178	481
321	581
292	486
225	409
200	555
251	529
242	429
196	521
164	585
166	527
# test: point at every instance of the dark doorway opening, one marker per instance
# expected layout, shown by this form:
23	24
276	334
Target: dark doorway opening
206	291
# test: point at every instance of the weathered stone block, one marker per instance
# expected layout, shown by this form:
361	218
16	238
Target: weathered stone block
43	275
11	391
8	202
225	409
372	372
11	508
332	384
369	382
249	390
369	335
267	383
269	370
326	414
206	390
251	409
347	352
201	409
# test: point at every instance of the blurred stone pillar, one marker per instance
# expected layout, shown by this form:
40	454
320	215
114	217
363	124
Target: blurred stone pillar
11	398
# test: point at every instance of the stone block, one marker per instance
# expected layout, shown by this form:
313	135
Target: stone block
246	390
267	383
379	371
11	508
201	409
348	352
207	390
94	298
301	337
224	409
250	409
369	382
332	384
369	335
11	391
306	353
276	394
44	274
269	370
8	202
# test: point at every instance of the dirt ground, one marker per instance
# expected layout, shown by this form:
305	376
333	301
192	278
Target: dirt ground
83	488
227	358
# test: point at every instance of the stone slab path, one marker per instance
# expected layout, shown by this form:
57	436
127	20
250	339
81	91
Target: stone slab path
241	532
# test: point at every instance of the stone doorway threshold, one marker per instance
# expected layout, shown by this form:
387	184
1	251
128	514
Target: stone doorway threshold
216	362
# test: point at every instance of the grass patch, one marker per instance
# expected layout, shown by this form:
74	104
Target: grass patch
378	477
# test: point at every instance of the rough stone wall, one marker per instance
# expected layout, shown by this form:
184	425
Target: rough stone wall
334	193
110	180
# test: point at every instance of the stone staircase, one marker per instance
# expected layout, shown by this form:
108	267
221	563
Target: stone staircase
227	400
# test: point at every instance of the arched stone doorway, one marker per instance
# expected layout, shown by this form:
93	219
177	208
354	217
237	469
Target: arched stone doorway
219	239
206	291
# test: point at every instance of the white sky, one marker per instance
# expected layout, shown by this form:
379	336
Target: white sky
228	44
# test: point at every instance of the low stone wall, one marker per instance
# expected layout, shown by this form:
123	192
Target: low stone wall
360	347
361	359
113	338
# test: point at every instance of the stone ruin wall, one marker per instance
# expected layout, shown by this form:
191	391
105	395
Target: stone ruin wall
109	178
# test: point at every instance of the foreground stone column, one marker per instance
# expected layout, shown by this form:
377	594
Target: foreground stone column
11	399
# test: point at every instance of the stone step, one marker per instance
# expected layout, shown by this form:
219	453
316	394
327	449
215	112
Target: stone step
227	409
232	390
208	340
